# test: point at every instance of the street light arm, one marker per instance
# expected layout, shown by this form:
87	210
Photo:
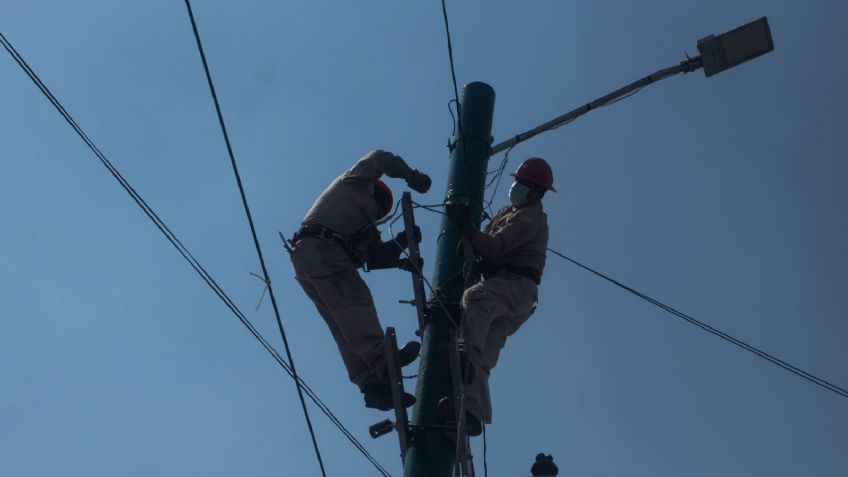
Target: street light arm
686	66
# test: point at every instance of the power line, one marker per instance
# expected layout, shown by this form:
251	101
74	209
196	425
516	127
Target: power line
762	354
496	179
453	70
193	262
747	347
265	274
458	119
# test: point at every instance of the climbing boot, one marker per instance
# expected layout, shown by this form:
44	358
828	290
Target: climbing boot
473	426
408	353
379	396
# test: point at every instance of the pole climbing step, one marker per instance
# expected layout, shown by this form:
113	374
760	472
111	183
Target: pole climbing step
463	457
420	298
401	424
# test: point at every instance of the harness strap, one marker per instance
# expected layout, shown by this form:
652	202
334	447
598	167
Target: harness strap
326	233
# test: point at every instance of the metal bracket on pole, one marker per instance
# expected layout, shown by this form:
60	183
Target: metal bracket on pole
420	297
686	66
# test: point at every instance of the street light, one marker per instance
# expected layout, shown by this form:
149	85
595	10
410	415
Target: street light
727	50
718	53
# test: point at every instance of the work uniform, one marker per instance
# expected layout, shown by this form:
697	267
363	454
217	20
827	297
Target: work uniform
513	247
325	266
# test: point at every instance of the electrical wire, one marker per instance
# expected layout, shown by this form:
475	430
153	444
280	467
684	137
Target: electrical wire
181	249
458	120
453	118
431	208
453	71
496	179
747	347
259	253
390	216
424	278
762	354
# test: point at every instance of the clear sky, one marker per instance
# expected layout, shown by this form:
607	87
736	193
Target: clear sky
724	197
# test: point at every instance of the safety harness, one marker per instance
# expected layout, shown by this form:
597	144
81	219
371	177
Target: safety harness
351	245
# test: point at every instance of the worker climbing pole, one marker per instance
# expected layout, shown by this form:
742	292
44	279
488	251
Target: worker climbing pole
432	453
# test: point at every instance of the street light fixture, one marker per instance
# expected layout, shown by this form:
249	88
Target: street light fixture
727	50
718	53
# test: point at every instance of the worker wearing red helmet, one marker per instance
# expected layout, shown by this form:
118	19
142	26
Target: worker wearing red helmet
513	247
338	235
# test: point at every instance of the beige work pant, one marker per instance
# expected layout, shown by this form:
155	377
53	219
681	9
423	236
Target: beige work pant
492	311
329	278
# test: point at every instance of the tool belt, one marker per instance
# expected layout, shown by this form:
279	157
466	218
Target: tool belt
318	231
527	272
326	233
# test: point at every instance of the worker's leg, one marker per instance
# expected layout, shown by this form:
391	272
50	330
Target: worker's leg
511	299
344	301
479	306
356	366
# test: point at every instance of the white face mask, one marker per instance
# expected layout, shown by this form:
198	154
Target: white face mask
518	193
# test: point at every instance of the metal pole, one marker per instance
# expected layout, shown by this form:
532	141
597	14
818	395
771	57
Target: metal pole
686	66
431	453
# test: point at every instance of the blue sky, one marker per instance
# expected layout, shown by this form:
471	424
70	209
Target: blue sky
724	197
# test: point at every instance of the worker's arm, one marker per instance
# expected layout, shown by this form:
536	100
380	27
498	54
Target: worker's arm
376	163
517	231
495	242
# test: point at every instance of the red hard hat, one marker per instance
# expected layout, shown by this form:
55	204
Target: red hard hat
384	198
536	171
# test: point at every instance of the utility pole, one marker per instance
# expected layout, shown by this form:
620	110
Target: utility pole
431	453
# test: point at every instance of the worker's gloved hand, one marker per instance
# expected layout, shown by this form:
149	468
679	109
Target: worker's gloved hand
366	237
402	239
383	255
419	181
461	217
406	264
